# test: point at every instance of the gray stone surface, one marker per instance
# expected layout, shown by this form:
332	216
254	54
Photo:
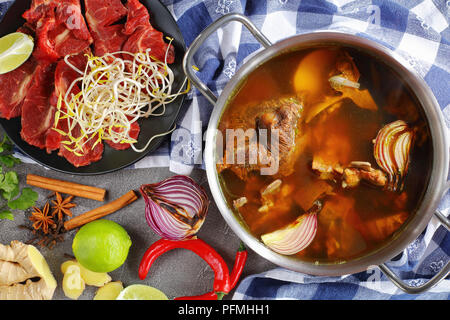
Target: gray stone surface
176	273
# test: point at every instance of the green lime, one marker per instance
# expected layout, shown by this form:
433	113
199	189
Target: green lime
141	292
101	245
15	49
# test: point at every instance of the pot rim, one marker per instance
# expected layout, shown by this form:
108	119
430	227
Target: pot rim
440	162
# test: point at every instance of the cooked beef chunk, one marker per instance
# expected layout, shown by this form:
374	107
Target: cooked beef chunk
271	142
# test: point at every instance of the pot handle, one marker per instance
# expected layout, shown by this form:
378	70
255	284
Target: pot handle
442	274
189	55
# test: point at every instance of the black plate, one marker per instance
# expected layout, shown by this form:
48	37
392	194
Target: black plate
112	159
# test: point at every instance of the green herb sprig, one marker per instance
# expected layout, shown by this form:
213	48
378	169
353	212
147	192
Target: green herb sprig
13	198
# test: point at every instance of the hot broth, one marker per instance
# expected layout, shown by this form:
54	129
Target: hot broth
335	129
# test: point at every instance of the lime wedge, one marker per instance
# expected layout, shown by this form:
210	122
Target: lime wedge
15	49
141	292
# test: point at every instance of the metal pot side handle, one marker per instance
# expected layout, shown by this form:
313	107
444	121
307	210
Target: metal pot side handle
441	275
189	55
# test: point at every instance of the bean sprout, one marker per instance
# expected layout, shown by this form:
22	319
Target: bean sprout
116	90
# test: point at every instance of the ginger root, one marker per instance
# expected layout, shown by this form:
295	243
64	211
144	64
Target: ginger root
109	291
24	273
73	284
91	278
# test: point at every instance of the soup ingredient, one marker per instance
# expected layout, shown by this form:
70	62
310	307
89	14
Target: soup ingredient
60	29
141	292
14	87
66	187
336	164
105	26
312	73
272	144
383	227
24	273
116	90
175	208
351	175
391	151
327	170
269	195
306	195
101	245
96	279
62	206
340	227
272	187
101	211
9	184
109	291
324	77
53	234
15	49
111	34
221	284
206	296
143	36
239	202
297	235
338	82
37	109
73	284
239	264
42	218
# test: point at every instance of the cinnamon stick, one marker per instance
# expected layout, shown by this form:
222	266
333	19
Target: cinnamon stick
66	187
101	211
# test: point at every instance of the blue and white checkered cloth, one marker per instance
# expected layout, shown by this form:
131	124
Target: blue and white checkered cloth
416	29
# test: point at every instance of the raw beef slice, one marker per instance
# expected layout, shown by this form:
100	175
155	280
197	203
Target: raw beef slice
91	152
60	28
143	36
102	17
134	133
13	89
37	111
64	76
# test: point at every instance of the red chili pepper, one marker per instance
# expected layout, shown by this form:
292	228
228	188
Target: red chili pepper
199	247
239	263
207	296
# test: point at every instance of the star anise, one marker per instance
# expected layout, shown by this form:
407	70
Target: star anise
41	218
61	206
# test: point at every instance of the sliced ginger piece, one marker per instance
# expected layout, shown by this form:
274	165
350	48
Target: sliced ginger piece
24	273
109	291
66	264
73	284
96	279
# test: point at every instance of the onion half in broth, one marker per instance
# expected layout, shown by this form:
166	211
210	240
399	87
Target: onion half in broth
391	151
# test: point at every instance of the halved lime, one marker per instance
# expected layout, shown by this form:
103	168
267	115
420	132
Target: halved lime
15	49
141	292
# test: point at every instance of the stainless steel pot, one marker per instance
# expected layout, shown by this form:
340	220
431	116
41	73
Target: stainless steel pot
437	187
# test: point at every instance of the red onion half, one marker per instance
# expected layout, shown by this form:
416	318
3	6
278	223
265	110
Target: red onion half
297	235
391	151
175	208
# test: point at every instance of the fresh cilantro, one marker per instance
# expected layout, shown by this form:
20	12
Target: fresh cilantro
16	199
6	214
9	160
24	201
